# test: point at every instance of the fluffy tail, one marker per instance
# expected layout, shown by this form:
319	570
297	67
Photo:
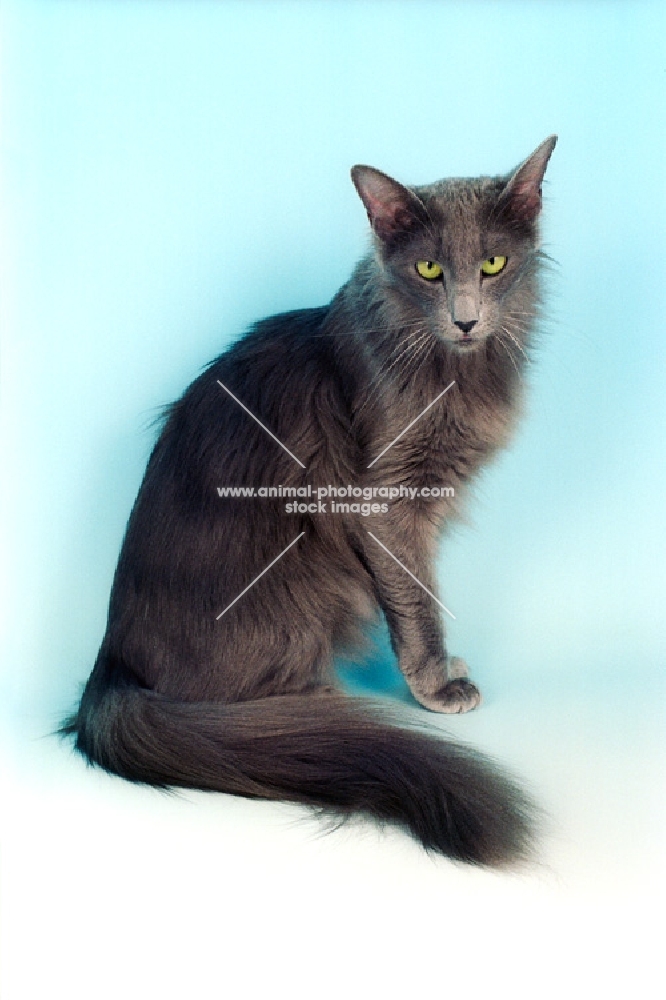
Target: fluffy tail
329	751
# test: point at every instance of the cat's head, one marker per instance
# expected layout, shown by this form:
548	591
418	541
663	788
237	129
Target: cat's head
460	254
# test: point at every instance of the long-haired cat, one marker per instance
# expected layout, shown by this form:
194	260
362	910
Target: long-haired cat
226	613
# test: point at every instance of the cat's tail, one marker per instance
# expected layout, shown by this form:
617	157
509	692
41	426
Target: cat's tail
344	754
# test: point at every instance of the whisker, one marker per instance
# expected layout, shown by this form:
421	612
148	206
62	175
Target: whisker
512	311
520	325
514	341
379	379
510	355
426	351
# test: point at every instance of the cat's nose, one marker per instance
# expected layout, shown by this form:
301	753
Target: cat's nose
465	326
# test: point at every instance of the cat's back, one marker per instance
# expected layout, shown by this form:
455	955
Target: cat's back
286	375
281	357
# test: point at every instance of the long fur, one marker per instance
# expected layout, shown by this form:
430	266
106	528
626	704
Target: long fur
247	703
346	754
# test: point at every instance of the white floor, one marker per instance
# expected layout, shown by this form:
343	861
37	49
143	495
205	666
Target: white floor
111	890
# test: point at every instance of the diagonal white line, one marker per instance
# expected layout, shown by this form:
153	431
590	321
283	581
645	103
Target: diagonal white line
410	425
258	577
402	565
260	423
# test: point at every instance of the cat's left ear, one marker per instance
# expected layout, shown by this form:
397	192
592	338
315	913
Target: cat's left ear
393	210
522	194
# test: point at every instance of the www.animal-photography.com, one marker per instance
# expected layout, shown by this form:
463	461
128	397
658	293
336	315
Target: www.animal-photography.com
332	425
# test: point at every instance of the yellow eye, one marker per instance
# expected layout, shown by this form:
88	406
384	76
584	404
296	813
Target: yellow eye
428	269
493	265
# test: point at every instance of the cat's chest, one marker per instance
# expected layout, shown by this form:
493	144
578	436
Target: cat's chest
449	437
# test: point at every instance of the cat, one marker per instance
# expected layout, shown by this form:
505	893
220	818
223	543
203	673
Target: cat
227	612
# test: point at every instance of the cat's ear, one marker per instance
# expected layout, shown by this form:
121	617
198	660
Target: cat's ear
521	197
393	210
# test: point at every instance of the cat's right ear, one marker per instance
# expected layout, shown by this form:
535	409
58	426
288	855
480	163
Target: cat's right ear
393	210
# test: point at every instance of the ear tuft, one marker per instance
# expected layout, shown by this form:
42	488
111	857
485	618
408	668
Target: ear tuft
522	194
393	210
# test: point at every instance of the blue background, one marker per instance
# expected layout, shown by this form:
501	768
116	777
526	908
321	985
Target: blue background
173	171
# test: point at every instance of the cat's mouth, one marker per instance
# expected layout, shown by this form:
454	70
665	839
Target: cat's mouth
466	342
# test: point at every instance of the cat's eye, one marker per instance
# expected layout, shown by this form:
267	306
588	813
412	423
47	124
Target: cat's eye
428	269
493	265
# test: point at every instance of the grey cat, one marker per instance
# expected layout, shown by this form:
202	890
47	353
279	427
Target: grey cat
226	613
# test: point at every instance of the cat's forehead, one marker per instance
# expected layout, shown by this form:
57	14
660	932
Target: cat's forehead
458	199
462	219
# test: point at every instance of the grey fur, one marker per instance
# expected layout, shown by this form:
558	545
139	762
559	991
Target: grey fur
248	703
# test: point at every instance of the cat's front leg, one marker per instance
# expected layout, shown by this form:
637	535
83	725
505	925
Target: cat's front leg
437	681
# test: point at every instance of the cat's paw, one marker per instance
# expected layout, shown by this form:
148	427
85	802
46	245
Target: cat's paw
456	696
